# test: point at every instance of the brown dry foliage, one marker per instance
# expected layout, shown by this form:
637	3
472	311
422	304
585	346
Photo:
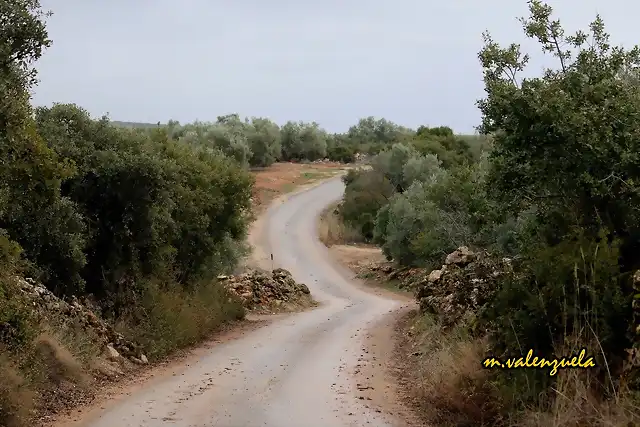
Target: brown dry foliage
16	400
57	362
333	231
449	387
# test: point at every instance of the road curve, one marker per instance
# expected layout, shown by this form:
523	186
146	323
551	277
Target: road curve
291	373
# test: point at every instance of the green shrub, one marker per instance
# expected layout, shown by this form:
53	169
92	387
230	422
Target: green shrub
303	141
167	317
434	217
364	196
574	289
155	207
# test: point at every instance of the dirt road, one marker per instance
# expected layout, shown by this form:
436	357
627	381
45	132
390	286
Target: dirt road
293	372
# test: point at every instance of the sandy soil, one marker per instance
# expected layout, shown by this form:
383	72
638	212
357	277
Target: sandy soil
281	178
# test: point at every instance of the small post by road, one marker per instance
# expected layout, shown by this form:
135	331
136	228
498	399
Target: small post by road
272	262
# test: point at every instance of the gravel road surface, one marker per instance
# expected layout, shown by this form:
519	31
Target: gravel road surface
295	372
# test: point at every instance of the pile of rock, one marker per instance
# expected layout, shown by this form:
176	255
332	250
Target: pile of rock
257	289
362	158
46	305
459	289
406	277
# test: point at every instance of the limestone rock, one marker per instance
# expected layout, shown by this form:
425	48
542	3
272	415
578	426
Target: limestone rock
460	256
45	304
461	287
111	353
435	275
260	289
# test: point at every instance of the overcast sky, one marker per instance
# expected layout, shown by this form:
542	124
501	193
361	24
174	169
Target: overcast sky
411	61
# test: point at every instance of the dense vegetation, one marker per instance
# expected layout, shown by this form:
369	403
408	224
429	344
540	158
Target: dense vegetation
135	219
558	193
141	219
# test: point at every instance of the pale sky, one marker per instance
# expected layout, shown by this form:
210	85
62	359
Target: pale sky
413	62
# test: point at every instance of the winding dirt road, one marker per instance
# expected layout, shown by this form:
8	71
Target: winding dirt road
293	372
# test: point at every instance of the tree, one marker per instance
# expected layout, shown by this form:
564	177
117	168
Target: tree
421	168
23	38
264	140
35	214
575	126
566	148
373	135
440	141
366	192
340	148
391	163
154	207
303	141
435	215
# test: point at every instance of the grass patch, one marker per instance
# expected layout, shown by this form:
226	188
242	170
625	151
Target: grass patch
314	175
170	318
333	231
448	386
394	285
288	187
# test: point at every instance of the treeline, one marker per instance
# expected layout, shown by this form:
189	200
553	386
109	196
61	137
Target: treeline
558	194
259	142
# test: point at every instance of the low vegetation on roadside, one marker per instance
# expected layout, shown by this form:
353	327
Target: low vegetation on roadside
528	245
333	230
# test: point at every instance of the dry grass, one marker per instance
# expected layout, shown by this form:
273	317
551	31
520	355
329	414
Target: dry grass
575	404
51	364
447	386
333	231
446	383
41	378
171	318
57	363
16	399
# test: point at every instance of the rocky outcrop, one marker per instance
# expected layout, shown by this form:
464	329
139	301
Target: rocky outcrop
46	305
257	289
461	286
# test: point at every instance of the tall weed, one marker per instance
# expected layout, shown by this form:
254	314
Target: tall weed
168	317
